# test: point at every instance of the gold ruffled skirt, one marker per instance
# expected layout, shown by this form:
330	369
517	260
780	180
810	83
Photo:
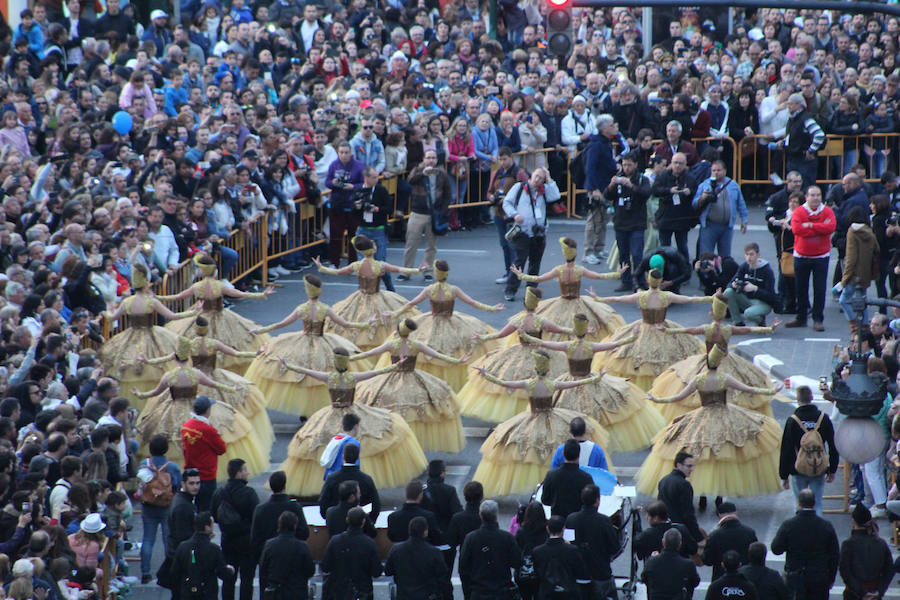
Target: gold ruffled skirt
675	378
619	406
166	416
389	451
490	402
229	328
517	454
736	452
451	335
248	401
426	403
118	355
601	316
650	354
293	392
359	307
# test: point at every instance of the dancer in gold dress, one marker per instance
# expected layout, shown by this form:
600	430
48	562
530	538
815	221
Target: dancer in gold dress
673	379
311	348
141	336
736	451
653	352
369	300
427	404
518	452
450	333
225	325
248	401
603	320
617	404
171	404
484	400
389	451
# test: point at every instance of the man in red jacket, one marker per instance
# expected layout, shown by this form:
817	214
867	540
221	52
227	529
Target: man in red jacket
812	225
202	447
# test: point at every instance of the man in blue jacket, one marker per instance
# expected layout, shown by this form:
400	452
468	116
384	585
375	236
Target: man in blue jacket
600	167
751	294
719	202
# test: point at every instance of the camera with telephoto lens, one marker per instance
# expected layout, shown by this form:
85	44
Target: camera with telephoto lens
538	231
362	200
340	178
739	284
706	264
498	198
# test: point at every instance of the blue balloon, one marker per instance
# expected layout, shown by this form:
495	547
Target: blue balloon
122	122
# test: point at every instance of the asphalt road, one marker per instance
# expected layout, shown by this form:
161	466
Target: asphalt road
476	261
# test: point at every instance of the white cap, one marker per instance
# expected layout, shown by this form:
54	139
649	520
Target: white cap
579	98
399	55
158	14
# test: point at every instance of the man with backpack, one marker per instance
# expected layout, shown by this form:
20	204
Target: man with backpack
560	566
198	564
159	479
596	538
232	507
803	462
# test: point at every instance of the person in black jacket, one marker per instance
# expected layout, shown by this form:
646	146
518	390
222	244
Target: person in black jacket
418	568
441	499
676	269
751	294
336	517
562	486
398	521
628	192
866	565
182	511
714	272
351	561
675	189
560	566
236	497
650	539
669	575
488	557
267	516
198	564
730	534
532	532
467	520
732	583
812	551
678	494
598	540
285	564
349	471
768	582
809	415
375	204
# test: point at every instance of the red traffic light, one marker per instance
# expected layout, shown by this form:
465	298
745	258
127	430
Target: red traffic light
559	3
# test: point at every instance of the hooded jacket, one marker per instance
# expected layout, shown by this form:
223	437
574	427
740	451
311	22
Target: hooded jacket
862	256
762	277
790	439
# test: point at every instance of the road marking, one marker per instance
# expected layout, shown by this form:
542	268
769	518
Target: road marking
446	251
766	362
832	340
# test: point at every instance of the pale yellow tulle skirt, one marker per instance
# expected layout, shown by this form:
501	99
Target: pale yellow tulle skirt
425	402
740	468
229	328
451	335
389	451
650	354
490	402
517	454
675	378
359	307
293	392
118	355
602	318
619	406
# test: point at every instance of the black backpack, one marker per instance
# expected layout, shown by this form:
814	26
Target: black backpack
557	578
227	516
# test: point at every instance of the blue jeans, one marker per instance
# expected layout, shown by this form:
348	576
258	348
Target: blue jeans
151	518
846	303
379	236
229	259
815	484
818	269
500	224
716	234
631	247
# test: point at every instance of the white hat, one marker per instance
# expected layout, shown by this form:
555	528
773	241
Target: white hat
399	55
93	523
158	14
579	98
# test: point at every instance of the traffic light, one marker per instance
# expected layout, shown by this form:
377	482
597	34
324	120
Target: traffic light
559	28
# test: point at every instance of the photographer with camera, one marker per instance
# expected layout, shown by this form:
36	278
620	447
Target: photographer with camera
526	204
374	202
751	294
719	202
507	175
430	193
343	177
675	188
601	157
714	272
627	193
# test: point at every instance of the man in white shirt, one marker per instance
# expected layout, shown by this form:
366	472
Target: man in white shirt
309	26
577	126
70	472
118	415
165	248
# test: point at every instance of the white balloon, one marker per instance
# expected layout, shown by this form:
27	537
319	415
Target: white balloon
859	440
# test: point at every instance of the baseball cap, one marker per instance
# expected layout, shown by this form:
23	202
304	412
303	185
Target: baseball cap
366	104
158	14
202	404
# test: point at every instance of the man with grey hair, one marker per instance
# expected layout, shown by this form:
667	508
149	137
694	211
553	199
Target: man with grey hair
74	233
668	574
488	557
673	144
601	156
15	294
802	139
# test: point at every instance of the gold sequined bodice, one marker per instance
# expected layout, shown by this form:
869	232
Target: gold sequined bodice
144	321
313	326
369	284
580	367
442	307
183	392
216	304
717	336
408	365
341	397
207	363
712	397
570	289
652	316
